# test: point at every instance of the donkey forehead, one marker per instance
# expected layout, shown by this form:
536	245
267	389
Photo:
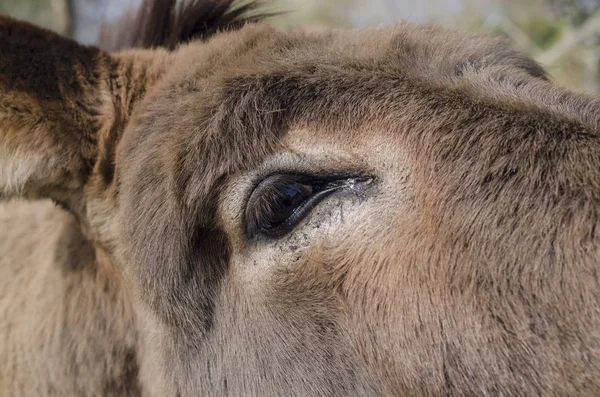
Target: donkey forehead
340	77
225	105
426	51
261	75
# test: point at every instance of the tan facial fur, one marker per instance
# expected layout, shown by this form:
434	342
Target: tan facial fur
461	259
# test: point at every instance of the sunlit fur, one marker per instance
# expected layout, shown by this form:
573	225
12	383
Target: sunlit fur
467	267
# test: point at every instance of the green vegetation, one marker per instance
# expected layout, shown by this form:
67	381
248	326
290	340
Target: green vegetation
52	14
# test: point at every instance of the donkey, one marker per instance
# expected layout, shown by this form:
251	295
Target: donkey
221	208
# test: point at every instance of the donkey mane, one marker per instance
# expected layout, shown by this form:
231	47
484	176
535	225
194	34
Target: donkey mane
168	23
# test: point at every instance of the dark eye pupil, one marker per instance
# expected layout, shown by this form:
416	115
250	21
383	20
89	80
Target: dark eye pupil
290	195
288	199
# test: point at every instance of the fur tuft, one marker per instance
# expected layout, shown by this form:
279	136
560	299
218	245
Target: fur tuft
168	23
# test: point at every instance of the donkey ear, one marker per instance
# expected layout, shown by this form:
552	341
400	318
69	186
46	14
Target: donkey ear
51	93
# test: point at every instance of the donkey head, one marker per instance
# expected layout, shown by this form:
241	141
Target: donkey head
395	211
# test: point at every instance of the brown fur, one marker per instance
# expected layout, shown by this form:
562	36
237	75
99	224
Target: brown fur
469	266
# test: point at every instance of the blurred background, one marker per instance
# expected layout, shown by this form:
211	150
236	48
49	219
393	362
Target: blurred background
563	35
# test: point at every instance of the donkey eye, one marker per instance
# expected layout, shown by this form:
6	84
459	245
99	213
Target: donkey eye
281	201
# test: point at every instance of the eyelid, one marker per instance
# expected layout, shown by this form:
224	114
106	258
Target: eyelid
258	179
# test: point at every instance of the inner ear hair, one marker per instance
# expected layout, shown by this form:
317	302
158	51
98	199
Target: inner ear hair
49	101
58	100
